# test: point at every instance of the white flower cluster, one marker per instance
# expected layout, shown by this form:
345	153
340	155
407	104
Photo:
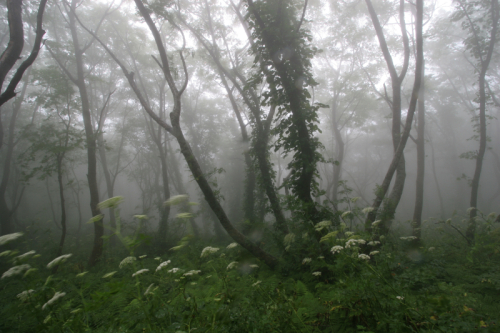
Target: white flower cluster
9	237
59	260
192	272
354	242
306	261
408	238
376	223
346	213
208	250
400	298
24	296
127	261
108	275
175	200
254	266
54	298
349	233
374	253
25	255
163	264
336	249
256	283
316	273
363	256
173	270
232	265
373	243
367	210
110	203
323	224
232	245
140	272
16	270
143	256
148	290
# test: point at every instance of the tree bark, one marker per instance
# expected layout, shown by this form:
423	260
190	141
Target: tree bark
419	198
471	228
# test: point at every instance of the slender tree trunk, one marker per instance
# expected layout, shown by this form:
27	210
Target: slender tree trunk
339	158
471	228
434	174
63	208
97	248
109	182
419	199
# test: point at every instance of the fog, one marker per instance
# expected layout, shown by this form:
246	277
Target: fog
212	48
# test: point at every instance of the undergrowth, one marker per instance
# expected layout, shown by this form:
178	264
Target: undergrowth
358	285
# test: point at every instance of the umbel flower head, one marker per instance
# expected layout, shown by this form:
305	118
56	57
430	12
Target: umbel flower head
192	272
139	272
208	250
111	202
25	255
24	296
232	265
336	249
54	298
163	264
16	270
363	256
127	261
232	245
175	200
9	238
59	260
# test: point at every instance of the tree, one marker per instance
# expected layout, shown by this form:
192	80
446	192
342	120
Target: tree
480	43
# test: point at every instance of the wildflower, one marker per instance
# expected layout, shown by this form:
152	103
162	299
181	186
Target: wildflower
349	233
141	217
376	223
400	298
173	270
373	243
364	256
54	298
24	296
232	245
254	266
408	238
256	283
25	255
127	261
59	260
81	274
163	264
208	250
143	256
192	272
336	249
10	237
194	283
316	273
432	248
148	290
470	209
321	257
16	270
231	265
139	272
158	258
306	261
289	239
96	218
323	224
108	275
184	215
175	200
346	213
352	242
111	202
368	210
374	253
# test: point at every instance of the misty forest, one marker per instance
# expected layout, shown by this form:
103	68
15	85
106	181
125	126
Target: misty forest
250	166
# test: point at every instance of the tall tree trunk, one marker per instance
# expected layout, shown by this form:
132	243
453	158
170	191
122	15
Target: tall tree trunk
63	208
97	248
419	199
339	158
383	188
471	228
6	212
